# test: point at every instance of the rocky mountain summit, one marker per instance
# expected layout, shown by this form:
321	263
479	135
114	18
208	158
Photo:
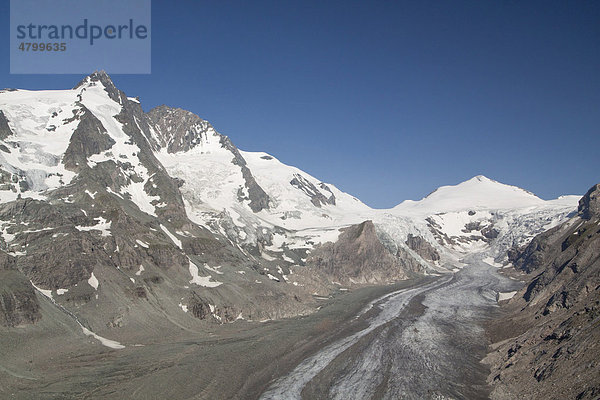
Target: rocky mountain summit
351	258
128	225
556	314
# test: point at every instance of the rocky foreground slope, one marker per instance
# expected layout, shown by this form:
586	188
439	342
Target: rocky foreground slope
556	352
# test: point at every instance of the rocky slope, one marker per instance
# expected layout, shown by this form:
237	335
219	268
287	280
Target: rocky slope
351	258
18	302
556	315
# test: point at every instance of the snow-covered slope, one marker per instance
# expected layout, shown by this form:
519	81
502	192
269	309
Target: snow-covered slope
214	182
222	187
41	123
299	200
211	181
476	193
478	215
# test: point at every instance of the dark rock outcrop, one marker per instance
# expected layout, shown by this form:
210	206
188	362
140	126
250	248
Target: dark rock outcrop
259	200
4	128
535	254
89	138
18	301
589	205
422	248
316	197
178	130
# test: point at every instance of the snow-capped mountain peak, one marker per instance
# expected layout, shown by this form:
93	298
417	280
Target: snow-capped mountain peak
479	192
180	130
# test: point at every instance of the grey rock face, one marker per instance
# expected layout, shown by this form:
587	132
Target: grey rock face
490	232
330	199
422	248
18	301
51	263
535	254
199	307
4	128
358	257
589	205
556	314
179	130
259	200
407	261
115	173
89	138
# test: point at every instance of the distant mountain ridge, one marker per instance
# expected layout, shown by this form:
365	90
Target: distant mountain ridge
477	192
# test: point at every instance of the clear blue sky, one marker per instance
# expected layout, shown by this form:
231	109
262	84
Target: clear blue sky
386	100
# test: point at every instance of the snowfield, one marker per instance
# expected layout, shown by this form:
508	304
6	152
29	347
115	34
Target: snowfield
42	123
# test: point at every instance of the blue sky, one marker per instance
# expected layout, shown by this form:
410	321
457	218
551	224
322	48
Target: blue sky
387	100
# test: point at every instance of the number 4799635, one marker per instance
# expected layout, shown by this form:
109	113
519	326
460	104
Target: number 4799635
34	46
